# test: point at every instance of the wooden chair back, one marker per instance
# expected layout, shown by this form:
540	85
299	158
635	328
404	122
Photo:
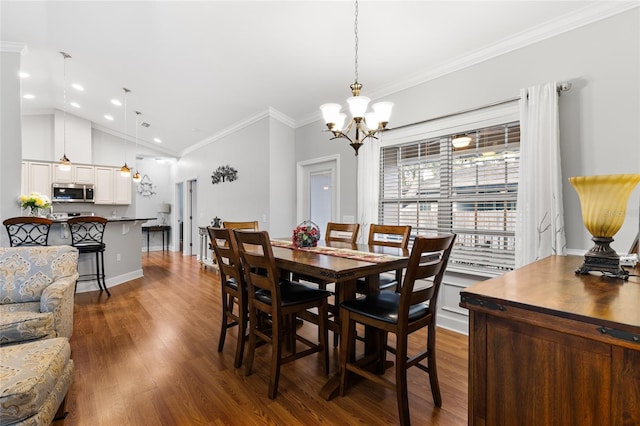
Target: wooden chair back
28	230
389	235
343	232
429	258
248	226
225	248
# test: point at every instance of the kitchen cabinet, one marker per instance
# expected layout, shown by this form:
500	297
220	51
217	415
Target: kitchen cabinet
36	177
111	187
78	173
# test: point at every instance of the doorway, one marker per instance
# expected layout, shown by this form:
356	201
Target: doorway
178	235
190	225
319	191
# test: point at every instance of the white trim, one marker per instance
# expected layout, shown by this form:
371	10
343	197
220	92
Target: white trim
484	117
268	113
13	47
562	24
300	182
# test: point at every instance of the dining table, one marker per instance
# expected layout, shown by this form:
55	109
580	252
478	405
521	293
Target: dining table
343	264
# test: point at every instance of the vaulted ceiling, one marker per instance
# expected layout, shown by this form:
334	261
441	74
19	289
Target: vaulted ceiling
196	69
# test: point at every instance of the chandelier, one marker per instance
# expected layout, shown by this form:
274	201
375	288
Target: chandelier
366	124
64	164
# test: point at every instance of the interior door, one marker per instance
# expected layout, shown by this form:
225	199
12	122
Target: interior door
318	192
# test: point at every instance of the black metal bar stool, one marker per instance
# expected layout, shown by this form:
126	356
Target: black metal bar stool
28	230
86	235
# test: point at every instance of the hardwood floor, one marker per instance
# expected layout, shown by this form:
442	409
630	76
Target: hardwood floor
148	356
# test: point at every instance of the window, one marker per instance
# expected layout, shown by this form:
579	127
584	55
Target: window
471	191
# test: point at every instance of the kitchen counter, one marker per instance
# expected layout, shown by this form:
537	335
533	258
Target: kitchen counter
123	254
109	218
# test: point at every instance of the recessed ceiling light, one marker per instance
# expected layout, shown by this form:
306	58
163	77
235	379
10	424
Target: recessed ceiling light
75	104
108	117
23	74
116	102
157	140
29	96
78	87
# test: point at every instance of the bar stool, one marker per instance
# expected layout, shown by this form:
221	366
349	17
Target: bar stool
28	230
86	235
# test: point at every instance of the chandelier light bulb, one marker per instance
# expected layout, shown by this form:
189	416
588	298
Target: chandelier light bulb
358	105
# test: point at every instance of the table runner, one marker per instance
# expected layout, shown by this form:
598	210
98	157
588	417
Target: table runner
364	256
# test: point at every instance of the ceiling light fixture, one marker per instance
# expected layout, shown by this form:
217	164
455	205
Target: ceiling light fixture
23	74
125	171
108	117
75	104
157	140
366	124
65	164
136	176
29	96
78	87
116	102
460	141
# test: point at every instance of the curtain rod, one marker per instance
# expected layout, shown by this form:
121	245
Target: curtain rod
561	87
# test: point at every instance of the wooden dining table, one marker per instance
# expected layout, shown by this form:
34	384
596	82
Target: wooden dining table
340	263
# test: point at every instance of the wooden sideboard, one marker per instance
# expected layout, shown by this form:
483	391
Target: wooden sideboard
549	347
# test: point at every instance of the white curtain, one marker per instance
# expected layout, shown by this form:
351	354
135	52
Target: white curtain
368	186
540	219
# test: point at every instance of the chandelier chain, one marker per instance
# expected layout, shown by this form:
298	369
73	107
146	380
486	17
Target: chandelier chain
355	30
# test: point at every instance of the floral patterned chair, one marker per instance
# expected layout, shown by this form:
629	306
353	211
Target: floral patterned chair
36	292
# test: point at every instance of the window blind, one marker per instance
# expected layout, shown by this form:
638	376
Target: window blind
470	191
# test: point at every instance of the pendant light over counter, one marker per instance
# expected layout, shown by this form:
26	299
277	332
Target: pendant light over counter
136	176
65	164
125	171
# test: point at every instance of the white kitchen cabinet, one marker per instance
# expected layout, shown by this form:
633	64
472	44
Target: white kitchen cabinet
78	173
36	177
111	187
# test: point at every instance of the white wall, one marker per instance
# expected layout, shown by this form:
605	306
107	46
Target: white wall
37	137
599	130
10	135
600	125
282	178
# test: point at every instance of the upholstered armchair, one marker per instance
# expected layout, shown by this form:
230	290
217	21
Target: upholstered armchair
37	286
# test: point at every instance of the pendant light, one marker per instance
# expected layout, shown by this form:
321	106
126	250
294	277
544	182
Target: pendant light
65	164
136	176
125	171
365	124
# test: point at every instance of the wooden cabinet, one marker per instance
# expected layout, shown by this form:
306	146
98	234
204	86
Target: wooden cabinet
111	187
550	347
78	173
36	177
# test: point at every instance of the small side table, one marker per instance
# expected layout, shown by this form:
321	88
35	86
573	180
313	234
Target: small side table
158	228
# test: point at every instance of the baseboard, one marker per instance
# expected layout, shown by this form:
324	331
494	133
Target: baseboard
92	285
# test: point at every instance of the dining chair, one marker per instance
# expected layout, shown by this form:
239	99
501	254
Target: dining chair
233	287
344	232
28	230
402	313
388	236
87	233
281	299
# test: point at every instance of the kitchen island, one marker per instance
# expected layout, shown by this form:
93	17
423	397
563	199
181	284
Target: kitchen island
122	257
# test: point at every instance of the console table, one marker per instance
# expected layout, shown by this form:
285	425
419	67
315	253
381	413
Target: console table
164	229
548	347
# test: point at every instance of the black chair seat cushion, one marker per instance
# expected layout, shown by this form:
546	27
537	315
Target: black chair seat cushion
292	293
383	306
385	283
232	284
89	247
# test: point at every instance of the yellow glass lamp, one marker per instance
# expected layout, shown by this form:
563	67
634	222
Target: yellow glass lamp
603	200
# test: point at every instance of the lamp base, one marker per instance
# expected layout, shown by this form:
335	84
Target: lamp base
602	258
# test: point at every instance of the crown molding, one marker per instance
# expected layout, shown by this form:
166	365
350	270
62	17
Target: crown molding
562	24
268	113
13	47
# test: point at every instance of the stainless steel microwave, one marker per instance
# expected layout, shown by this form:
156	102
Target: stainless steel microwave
72	193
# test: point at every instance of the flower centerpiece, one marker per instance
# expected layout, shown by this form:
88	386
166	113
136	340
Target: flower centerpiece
306	234
34	202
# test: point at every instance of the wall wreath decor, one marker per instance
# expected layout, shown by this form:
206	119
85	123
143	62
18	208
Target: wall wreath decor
224	174
146	188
